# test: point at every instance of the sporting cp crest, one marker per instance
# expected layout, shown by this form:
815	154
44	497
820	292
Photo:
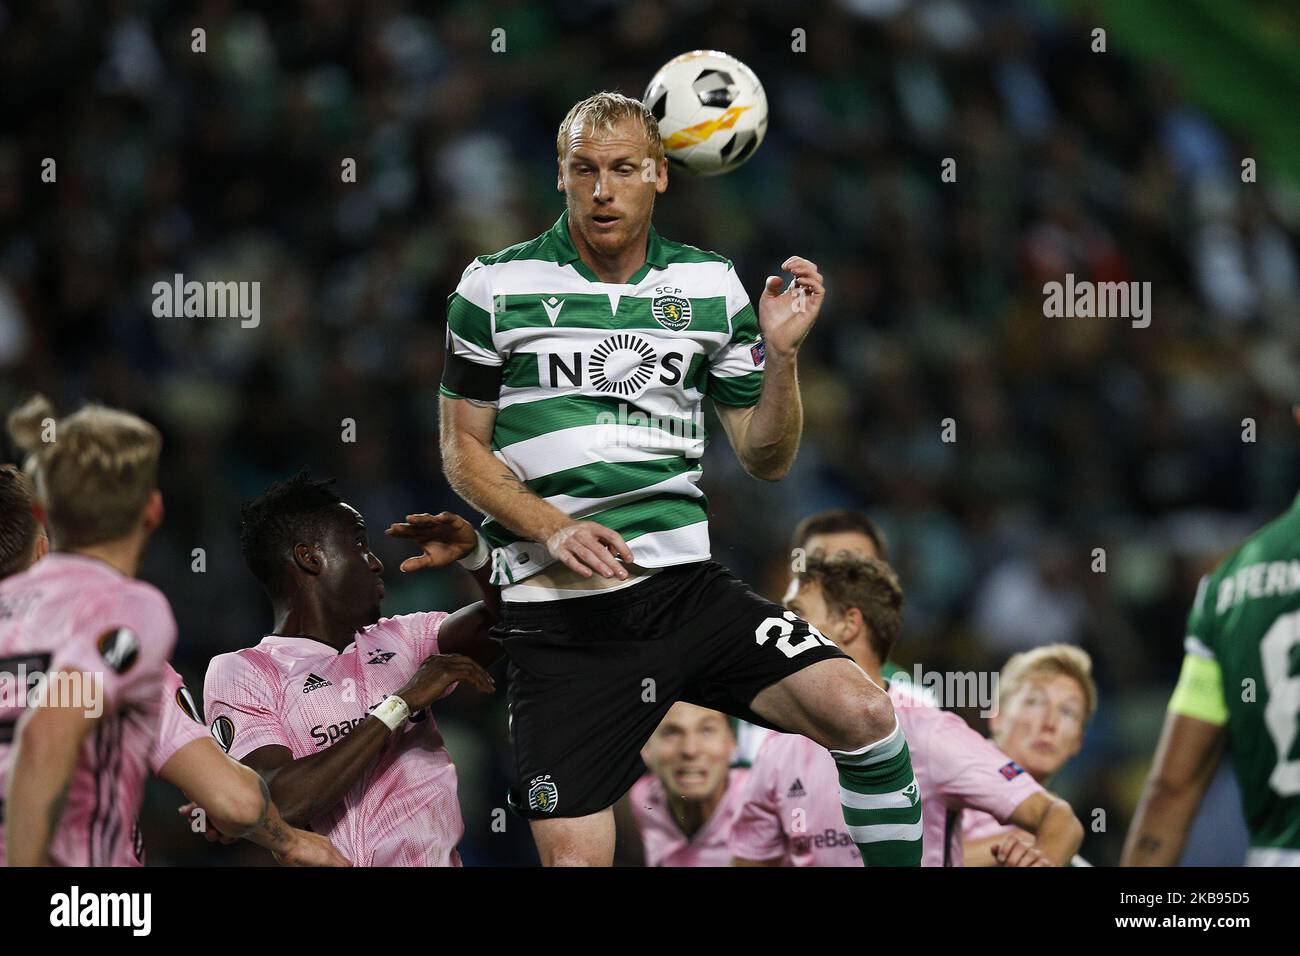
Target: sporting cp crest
543	795
672	312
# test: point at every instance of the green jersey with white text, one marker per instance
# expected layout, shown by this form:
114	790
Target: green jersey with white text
1242	671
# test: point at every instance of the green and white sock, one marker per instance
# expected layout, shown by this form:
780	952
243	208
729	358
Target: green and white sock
881	802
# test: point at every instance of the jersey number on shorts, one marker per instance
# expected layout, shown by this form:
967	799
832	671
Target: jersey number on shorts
784	627
1283	699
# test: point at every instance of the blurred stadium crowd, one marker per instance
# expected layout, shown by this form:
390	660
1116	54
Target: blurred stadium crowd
1072	434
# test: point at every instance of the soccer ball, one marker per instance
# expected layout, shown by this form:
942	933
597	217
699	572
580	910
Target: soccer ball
711	109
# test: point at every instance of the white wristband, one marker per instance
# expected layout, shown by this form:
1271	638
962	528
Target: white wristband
478	557
393	711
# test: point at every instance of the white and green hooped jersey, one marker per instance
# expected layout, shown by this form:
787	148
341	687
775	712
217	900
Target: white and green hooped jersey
599	386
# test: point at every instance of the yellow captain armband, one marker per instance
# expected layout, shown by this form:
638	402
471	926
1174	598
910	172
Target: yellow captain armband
1199	692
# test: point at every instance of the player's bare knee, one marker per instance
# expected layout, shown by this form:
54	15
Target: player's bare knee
854	715
878	715
868	716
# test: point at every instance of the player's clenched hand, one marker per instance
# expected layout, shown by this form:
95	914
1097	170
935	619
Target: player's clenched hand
785	318
310	849
439	672
1016	851
585	546
443	538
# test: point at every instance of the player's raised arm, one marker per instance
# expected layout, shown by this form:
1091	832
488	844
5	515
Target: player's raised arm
765	436
47	745
444	538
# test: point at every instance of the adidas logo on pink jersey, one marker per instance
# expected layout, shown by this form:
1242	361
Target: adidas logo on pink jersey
315	683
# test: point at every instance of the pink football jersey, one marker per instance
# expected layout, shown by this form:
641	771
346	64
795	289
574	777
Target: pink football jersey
77	614
792	804
179	721
978	826
299	693
790	808
665	843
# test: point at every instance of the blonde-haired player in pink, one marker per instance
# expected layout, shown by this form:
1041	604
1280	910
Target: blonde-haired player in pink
333	707
1046	697
88	645
791	813
685	806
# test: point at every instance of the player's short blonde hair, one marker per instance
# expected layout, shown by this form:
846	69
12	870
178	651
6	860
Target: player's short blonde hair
94	470
606	110
1050	660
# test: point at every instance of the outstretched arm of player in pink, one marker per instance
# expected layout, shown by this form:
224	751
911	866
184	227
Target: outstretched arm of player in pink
444	538
765	436
46	748
468	632
1058	833
238	804
310	786
479	477
1186	758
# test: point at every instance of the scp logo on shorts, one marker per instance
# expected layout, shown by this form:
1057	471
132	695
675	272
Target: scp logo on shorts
543	795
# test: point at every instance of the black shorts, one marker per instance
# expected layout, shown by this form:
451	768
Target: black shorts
591	677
